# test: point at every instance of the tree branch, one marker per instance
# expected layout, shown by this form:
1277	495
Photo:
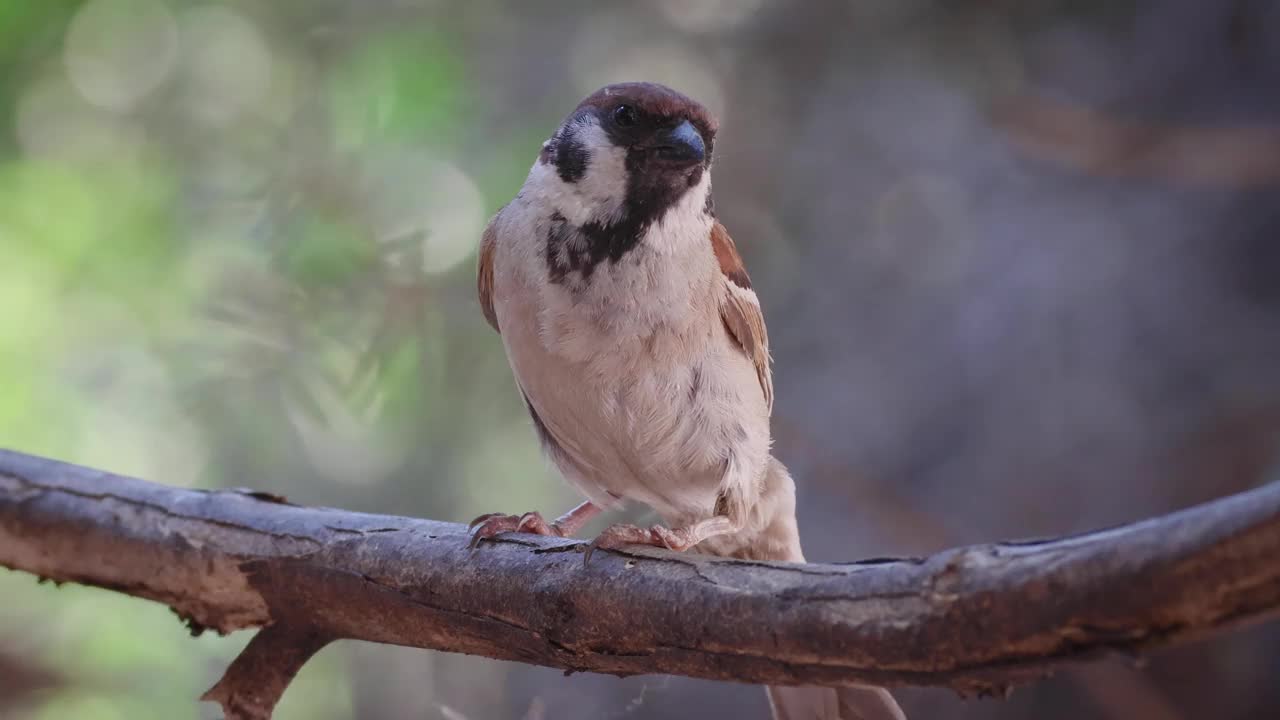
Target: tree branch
976	619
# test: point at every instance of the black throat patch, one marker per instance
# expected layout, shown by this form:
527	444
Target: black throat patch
573	252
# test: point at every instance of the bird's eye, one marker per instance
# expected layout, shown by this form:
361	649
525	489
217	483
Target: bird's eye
624	116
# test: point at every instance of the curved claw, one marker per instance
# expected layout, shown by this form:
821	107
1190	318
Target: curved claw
482	518
492	524
532	522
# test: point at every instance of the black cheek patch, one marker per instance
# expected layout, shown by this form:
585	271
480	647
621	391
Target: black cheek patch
571	158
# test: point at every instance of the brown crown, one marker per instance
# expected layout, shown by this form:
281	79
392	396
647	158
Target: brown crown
654	100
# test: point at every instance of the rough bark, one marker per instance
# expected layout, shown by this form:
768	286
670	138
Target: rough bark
976	619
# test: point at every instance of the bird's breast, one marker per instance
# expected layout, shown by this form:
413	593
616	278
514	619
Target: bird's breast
630	370
643	415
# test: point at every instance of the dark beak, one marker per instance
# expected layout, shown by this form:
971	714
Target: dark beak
681	144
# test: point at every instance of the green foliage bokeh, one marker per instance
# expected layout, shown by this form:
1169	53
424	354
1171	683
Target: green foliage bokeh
202	283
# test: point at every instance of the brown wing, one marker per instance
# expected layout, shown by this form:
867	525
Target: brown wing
740	310
484	275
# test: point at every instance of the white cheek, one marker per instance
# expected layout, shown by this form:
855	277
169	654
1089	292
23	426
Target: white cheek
604	187
599	194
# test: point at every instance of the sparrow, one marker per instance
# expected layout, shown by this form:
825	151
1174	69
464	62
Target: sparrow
640	348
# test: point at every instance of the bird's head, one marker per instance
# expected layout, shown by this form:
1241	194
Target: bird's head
630	152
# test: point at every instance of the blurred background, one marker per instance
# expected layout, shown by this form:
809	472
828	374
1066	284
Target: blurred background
1019	260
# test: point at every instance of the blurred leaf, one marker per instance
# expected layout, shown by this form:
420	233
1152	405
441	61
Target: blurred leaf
403	87
29	32
328	253
96	233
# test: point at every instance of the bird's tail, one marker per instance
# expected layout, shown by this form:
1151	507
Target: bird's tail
780	540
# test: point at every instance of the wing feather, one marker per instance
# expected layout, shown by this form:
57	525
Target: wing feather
740	310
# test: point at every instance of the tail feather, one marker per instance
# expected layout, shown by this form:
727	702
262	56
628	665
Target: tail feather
846	703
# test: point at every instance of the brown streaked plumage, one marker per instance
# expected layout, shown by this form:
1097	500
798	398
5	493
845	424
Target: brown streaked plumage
728	258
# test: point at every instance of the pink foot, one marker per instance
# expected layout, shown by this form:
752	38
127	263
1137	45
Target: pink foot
487	526
619	536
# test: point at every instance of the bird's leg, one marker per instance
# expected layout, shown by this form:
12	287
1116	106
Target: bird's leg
678	539
486	526
572	521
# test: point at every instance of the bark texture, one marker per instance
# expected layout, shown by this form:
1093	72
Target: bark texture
976	619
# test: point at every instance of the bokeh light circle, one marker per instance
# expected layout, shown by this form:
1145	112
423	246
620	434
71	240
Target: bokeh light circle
119	51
